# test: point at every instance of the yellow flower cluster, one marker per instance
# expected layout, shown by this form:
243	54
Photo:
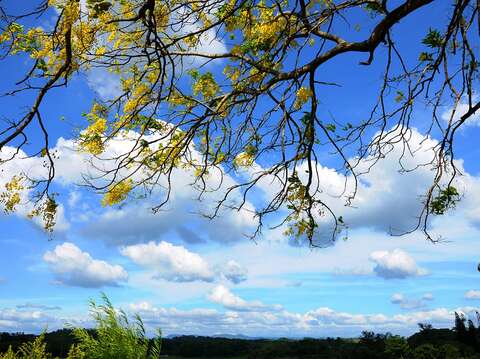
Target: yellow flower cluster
91	139
48	211
303	95
162	16
243	159
117	192
139	98
11	197
206	86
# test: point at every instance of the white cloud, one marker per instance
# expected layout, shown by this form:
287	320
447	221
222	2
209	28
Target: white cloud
173	263
13	319
13	163
357	271
389	194
38	306
234	272
387	198
397	298
462	108
135	222
427	296
395	264
222	295
405	303
322	321
105	83
73	267
472	294
73	198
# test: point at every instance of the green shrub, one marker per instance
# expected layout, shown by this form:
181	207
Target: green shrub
36	349
115	336
9	354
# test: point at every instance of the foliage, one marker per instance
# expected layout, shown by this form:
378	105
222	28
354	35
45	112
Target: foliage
446	199
36	349
116	336
397	347
113	337
266	92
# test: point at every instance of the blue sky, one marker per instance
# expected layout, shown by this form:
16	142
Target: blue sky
186	275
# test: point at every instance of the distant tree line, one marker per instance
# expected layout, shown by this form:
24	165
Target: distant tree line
462	341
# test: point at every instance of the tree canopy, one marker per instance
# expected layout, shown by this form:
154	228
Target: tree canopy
221	87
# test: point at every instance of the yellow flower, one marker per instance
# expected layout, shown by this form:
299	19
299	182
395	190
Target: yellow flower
243	159
117	192
303	95
206	85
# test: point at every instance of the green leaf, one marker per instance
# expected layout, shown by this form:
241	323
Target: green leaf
331	127
433	39
425	56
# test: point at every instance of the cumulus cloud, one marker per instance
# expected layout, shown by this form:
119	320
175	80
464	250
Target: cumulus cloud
14	163
222	295
406	303
318	322
472	294
233	272
397	298
136	222
37	318
73	267
462	108
388	196
13	319
175	263
396	264
105	83
170	262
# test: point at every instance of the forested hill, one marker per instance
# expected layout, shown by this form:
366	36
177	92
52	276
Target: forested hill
463	341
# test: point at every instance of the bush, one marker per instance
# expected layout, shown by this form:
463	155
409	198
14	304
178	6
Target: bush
114	337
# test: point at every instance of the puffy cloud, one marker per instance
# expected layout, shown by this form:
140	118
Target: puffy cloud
15	162
462	108
222	295
318	322
136	222
395	264
178	264
234	272
73	267
105	83
397	298
388	196
405	303
472	294
170	262
27	320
